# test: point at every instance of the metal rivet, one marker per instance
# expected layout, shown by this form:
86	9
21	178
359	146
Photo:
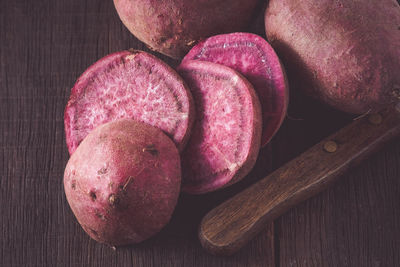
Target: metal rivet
375	119
330	146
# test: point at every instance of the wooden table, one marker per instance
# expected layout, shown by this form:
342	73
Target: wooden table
44	46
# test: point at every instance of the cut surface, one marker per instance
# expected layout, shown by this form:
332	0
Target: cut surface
253	57
129	84
226	135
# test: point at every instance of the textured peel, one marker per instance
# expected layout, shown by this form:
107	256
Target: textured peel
123	182
344	53
172	27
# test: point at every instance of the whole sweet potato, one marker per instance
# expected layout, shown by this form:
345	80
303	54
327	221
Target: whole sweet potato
123	181
344	52
172	27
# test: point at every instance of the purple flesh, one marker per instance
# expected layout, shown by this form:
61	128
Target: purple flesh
252	56
129	84
226	135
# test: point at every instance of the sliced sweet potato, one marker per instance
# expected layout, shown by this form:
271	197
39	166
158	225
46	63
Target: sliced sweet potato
226	136
253	57
129	84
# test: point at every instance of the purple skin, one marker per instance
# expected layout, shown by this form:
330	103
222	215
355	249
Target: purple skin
254	58
123	181
344	53
226	135
172	27
129	84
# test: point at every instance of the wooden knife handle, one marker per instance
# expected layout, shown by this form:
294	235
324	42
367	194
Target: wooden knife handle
229	226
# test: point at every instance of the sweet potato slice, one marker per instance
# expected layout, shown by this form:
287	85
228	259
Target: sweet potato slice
253	57
129	84
226	135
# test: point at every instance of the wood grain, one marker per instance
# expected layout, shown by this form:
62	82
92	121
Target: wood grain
44	46
354	223
226	228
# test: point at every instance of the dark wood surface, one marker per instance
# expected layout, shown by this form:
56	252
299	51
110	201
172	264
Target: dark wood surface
228	227
44	46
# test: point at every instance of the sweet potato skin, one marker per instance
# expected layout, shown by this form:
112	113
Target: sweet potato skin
172	27
123	181
345	53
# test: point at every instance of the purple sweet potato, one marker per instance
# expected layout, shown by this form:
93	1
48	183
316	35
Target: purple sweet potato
345	53
252	56
226	135
172	27
129	84
123	181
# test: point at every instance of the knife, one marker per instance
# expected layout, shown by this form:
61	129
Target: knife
229	226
